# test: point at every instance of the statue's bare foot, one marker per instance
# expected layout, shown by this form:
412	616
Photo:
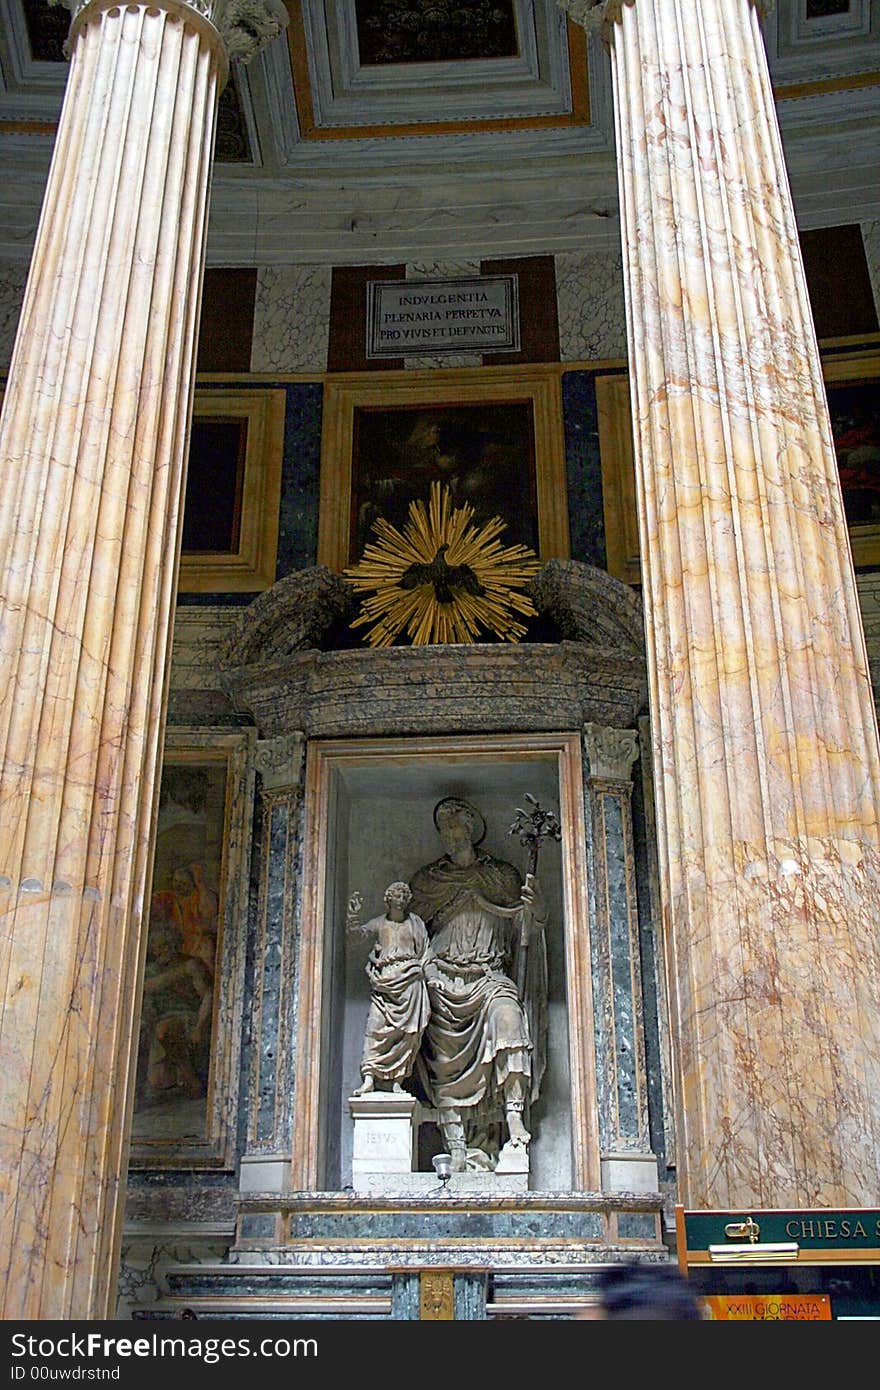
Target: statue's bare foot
519	1135
397	1088
367	1086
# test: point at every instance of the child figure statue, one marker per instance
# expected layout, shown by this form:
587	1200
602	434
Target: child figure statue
399	1004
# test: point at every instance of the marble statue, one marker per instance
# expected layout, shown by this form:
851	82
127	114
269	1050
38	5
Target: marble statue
399	999
484	1046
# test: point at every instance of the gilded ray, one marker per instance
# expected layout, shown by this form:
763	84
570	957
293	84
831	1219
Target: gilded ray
442	579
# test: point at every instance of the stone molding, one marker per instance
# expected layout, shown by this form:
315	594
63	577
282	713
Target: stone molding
273	666
610	753
293	616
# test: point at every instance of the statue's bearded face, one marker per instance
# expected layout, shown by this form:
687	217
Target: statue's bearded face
456	829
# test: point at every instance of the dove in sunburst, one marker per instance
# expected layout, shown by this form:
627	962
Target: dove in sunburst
442	579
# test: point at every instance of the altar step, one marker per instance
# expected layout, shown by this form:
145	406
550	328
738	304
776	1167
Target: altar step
266	1292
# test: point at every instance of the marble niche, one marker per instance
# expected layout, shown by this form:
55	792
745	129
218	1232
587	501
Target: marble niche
356	748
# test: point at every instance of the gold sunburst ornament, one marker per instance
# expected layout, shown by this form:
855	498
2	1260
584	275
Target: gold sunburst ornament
442	579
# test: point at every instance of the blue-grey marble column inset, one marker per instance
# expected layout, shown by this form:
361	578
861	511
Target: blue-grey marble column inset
628	1164
405	1295
469	1295
265	1165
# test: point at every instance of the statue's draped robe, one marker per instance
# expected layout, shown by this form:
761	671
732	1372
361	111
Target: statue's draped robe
479	1032
399	1002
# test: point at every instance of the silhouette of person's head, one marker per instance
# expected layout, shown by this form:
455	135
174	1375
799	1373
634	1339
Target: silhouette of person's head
649	1292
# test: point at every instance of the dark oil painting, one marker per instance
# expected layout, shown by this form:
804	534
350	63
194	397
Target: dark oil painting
214	483
177	1013
819	9
855	424
434	31
484	454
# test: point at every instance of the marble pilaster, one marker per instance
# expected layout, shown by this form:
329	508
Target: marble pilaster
265	1164
92	444
766	753
627	1162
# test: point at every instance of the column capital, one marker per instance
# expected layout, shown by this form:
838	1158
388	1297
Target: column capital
610	752
597	16
279	761
245	26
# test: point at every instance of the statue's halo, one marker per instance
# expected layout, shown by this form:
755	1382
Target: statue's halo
478	824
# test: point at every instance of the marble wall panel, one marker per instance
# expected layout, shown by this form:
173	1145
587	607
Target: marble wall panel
12	283
144	1262
583	468
592	316
291	319
661	1126
871	238
298	526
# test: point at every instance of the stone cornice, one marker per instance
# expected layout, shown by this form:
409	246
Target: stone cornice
272	665
244	26
598	16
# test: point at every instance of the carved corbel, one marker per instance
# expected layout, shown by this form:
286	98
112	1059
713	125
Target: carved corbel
610	753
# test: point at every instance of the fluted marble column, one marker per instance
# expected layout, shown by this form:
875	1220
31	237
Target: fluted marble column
767	767
92	456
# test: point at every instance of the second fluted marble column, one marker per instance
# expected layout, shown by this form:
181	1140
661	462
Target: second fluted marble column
767	766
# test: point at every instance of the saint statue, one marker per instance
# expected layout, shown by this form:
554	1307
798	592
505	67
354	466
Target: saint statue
399	999
484	1046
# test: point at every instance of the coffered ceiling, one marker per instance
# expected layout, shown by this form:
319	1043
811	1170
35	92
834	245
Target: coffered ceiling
377	129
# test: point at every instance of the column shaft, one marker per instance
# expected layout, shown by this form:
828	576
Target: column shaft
92	451
767	766
265	1164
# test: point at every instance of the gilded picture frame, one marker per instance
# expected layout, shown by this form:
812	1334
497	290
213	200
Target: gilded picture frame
852	382
487	415
245	562
187	1075
617	459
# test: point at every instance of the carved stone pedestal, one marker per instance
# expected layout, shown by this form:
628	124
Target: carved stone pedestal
385	1135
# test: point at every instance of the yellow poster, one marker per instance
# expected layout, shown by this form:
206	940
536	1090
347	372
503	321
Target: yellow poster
770	1307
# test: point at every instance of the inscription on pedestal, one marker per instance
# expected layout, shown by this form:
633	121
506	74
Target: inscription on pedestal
385	1131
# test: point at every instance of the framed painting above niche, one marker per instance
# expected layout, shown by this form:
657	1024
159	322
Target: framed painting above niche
852	383
494	436
233	491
